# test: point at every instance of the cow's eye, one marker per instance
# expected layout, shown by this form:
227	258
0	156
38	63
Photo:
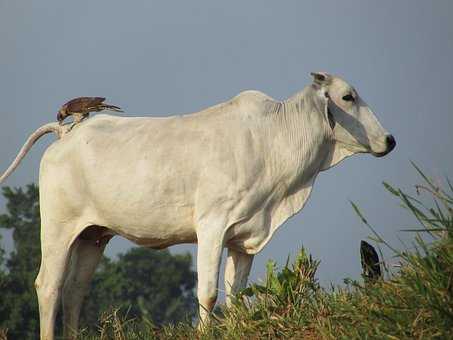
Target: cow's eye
348	98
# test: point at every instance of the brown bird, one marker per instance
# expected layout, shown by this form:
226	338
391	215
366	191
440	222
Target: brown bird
81	107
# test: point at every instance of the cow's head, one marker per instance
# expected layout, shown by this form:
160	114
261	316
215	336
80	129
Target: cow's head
354	126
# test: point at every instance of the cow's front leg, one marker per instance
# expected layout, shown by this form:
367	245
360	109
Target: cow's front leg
237	270
210	246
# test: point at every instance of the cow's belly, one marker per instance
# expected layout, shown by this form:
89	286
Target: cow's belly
149	219
151	226
157	236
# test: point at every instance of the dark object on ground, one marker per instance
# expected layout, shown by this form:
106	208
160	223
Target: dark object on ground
370	261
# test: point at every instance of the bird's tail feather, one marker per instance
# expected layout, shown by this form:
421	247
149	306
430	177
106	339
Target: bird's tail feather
111	108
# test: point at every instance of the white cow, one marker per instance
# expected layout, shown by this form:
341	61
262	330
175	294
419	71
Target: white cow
227	176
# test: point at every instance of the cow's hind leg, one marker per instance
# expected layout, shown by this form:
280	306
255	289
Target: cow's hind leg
85	256
237	270
210	246
55	250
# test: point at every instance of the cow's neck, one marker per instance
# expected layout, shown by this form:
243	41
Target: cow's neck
299	142
303	138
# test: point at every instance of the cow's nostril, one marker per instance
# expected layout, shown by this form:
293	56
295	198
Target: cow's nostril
390	141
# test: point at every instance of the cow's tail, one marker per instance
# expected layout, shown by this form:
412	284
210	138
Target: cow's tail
48	128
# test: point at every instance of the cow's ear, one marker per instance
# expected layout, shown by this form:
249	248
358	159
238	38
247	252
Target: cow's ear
321	78
320	81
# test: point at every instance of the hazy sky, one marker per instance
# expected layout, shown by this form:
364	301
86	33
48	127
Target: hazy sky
169	57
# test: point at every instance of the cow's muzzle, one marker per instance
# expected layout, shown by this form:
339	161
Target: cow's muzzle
390	142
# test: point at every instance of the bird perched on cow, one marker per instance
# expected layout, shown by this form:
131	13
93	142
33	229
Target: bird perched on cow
81	107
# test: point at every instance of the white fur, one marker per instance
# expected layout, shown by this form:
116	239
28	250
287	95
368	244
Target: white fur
227	176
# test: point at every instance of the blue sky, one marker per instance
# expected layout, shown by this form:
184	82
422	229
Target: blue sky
169	57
